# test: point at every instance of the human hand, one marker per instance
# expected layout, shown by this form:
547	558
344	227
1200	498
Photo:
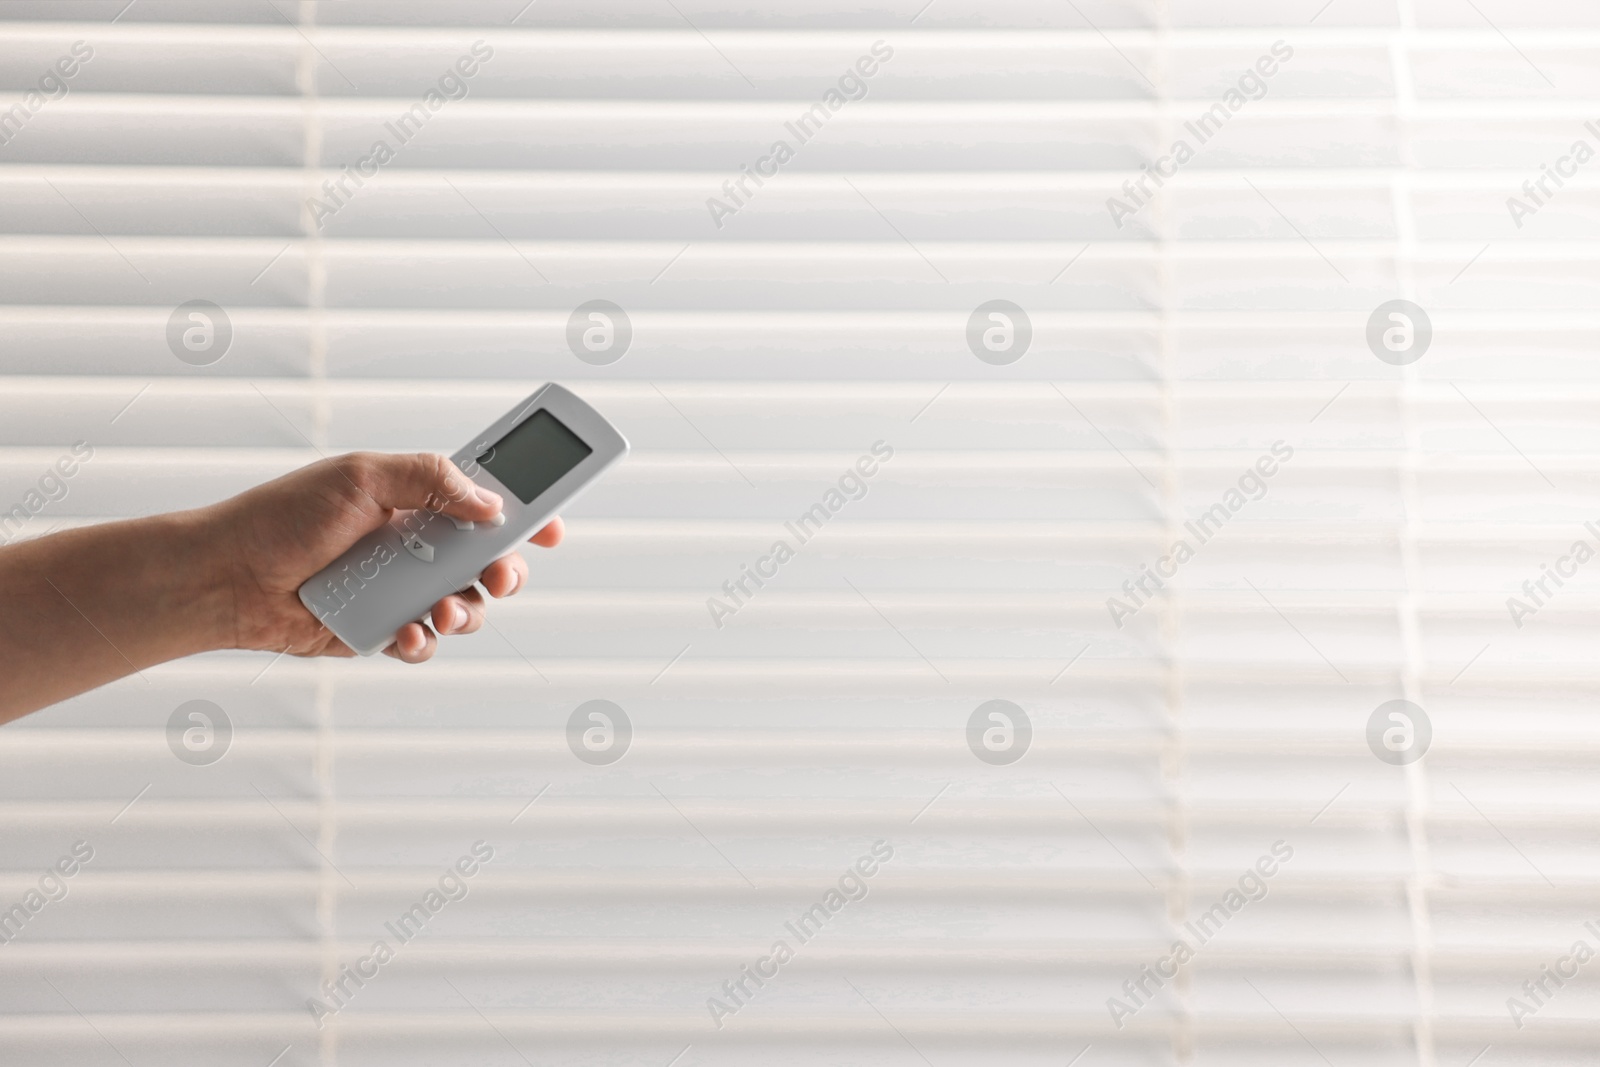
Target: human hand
277	535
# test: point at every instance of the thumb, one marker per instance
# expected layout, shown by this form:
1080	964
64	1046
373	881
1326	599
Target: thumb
422	480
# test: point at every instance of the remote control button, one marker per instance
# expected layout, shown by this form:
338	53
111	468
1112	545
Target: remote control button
462	524
418	548
498	520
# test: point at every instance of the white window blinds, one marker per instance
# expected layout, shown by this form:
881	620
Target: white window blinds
1011	776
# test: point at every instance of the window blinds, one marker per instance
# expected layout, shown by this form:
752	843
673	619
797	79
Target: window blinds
1010	776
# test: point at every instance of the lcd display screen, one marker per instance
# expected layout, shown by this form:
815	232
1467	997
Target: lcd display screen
535	455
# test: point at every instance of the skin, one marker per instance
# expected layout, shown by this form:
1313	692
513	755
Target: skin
86	607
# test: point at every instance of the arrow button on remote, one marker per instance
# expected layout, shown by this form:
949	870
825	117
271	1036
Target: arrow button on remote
418	547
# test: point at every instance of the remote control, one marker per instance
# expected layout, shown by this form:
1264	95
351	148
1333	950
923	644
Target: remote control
539	457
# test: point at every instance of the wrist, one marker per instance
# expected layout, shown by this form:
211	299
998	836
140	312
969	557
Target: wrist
191	588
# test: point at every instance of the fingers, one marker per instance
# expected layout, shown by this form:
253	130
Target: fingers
551	535
419	480
463	613
459	614
413	643
505	576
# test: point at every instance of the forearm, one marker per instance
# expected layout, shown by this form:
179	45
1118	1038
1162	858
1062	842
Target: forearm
88	606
